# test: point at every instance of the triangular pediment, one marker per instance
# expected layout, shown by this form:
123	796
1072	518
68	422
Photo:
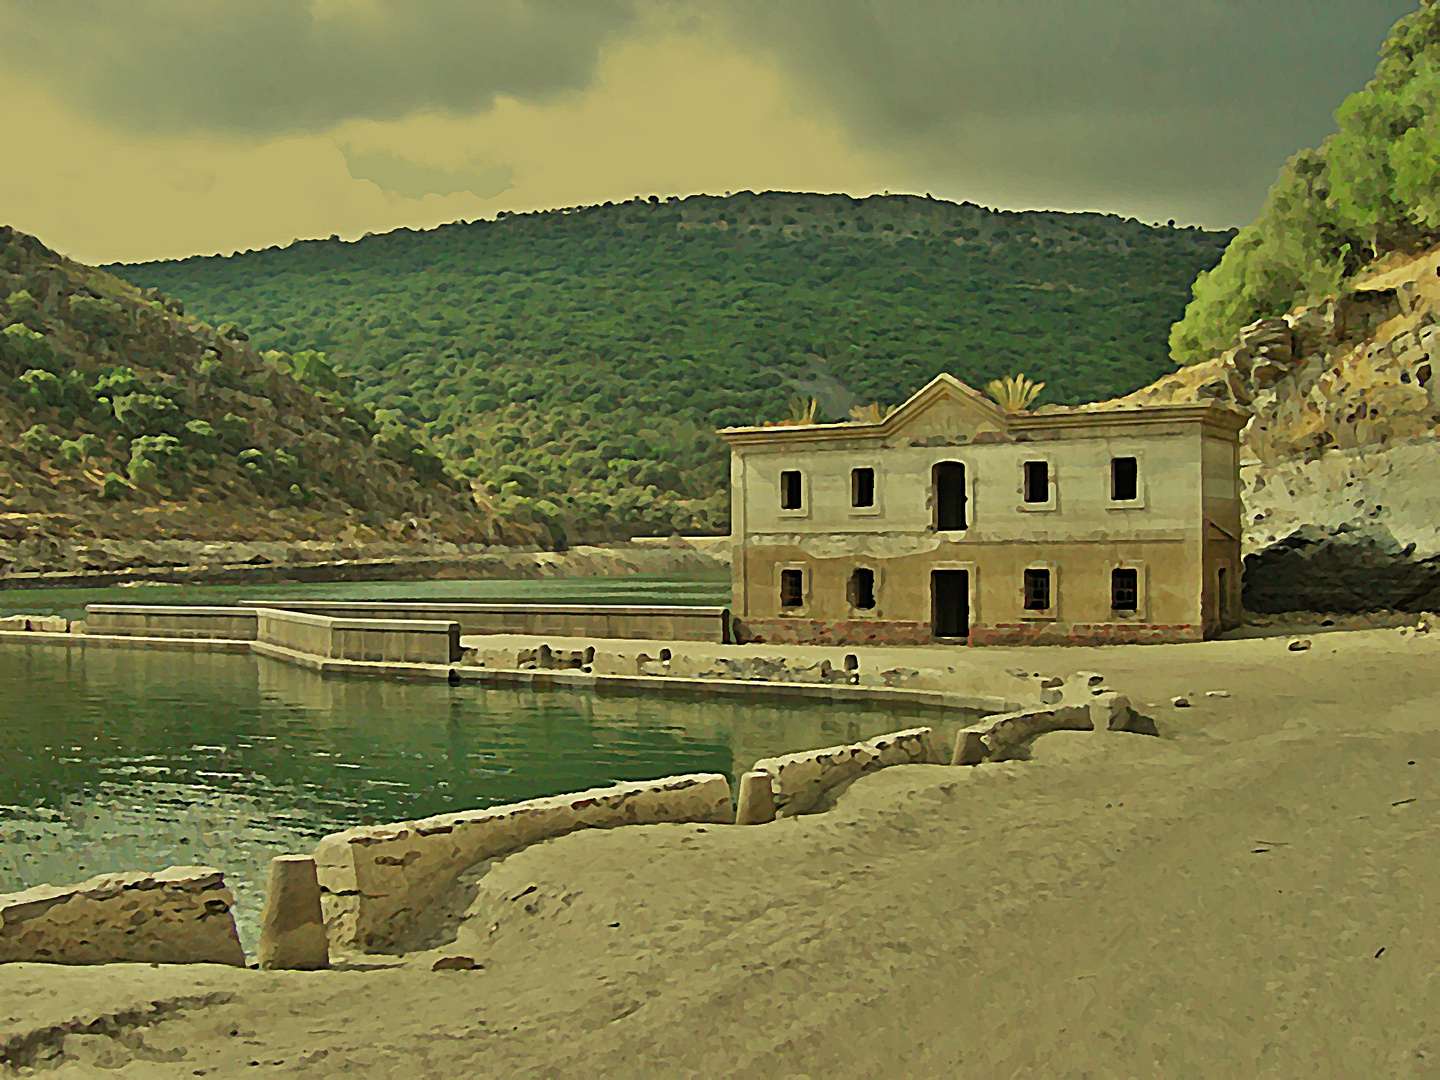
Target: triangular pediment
945	407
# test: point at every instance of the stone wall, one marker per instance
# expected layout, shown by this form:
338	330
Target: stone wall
645	622
178	916
395	641
156	620
378	882
799	781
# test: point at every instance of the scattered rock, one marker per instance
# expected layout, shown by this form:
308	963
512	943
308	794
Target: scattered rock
1052	682
456	963
1180	702
1217	693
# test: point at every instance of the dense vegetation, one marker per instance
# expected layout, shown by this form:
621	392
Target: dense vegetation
1372	187
120	417
578	361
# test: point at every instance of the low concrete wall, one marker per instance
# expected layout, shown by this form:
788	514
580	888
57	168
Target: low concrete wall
155	620
396	641
1085	705
643	622
379	881
179	916
797	781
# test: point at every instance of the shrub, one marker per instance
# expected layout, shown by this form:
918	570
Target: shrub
38	440
144	413
39	389
21	348
114	487
155	457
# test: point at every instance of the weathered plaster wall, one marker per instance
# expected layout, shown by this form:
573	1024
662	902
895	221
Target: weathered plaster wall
1081	534
178	916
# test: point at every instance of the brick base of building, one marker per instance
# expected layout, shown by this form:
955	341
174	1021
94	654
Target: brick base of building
1083	634
817	632
855	632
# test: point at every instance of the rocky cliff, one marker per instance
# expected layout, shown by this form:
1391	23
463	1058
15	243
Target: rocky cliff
1340	459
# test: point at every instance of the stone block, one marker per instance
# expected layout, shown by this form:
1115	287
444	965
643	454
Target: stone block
970	747
1109	711
181	915
756	799
292	928
50	624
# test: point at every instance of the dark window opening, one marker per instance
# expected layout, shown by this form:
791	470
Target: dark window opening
1222	587
1125	590
790	490
950	603
792	588
949	481
862	588
1124	479
1037	481
1037	590
862	487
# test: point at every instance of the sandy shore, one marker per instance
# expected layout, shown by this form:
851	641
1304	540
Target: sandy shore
1251	894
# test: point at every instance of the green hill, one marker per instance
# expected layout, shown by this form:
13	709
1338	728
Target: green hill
122	418
577	361
1371	188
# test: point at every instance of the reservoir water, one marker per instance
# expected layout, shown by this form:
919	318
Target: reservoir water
120	759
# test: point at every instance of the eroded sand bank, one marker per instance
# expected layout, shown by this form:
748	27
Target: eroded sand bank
1207	903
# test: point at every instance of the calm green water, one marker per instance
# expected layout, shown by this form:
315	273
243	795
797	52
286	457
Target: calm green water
700	590
118	759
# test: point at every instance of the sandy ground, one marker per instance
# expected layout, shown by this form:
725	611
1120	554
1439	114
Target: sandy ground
1253	894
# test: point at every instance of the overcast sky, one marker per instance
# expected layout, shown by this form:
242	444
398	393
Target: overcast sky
138	129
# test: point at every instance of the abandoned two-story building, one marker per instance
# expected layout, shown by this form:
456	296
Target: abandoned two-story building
953	521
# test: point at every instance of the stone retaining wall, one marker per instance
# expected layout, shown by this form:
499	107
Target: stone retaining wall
179	916
798	781
645	622
163	621
396	641
379	881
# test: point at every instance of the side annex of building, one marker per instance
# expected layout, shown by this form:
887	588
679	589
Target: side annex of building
951	520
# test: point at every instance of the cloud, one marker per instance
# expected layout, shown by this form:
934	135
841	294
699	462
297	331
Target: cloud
266	67
415	180
1159	108
1078	101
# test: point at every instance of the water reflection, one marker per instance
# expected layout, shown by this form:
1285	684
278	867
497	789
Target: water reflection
119	759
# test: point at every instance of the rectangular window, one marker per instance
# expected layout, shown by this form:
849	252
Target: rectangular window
1037	481
792	588
1124	479
862	487
790	490
948	478
1125	589
862	588
1037	590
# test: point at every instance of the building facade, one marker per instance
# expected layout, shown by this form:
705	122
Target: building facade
953	521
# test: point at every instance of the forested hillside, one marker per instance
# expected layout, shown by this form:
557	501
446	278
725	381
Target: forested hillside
578	361
122	418
1371	188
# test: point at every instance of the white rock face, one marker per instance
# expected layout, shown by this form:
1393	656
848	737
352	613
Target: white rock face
177	916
